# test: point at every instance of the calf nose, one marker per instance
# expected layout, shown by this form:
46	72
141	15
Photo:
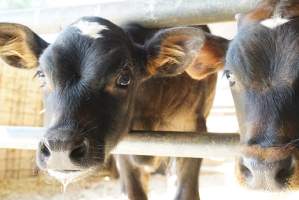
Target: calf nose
62	155
262	175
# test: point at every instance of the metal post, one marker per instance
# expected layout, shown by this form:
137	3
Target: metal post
176	144
151	13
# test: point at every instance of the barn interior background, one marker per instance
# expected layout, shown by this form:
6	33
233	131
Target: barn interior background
21	105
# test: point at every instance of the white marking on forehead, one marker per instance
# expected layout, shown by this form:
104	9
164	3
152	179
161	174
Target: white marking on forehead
274	22
91	29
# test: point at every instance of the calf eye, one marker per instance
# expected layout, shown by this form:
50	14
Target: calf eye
124	79
230	77
41	76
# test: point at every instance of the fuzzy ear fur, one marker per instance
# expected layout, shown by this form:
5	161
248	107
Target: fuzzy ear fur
174	50
19	46
210	58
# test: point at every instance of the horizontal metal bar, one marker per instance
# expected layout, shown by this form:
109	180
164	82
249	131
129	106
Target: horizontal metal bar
20	137
176	144
151	13
179	144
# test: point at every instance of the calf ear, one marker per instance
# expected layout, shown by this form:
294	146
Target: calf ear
19	46
263	10
174	50
210	57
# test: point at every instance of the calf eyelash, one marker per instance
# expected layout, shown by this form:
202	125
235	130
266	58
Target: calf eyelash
230	77
124	78
41	76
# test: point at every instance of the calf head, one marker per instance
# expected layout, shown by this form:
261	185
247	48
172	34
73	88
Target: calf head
262	67
262	70
90	76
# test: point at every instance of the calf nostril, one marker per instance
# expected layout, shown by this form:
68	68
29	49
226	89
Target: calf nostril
245	171
45	151
79	152
282	176
285	171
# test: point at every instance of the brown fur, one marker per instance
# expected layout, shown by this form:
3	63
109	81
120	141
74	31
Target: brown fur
264	10
160	100
270	154
210	58
169	104
268	8
13	45
288	8
170	53
294	180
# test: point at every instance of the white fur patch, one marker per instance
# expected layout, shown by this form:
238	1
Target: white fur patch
90	29
274	22
55	161
65	178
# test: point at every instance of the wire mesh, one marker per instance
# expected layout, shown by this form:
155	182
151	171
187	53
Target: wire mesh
21	101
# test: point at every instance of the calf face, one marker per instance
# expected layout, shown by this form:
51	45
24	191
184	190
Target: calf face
262	67
90	76
263	74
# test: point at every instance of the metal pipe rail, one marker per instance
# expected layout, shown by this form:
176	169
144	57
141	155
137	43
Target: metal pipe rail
176	144
179	144
151	13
